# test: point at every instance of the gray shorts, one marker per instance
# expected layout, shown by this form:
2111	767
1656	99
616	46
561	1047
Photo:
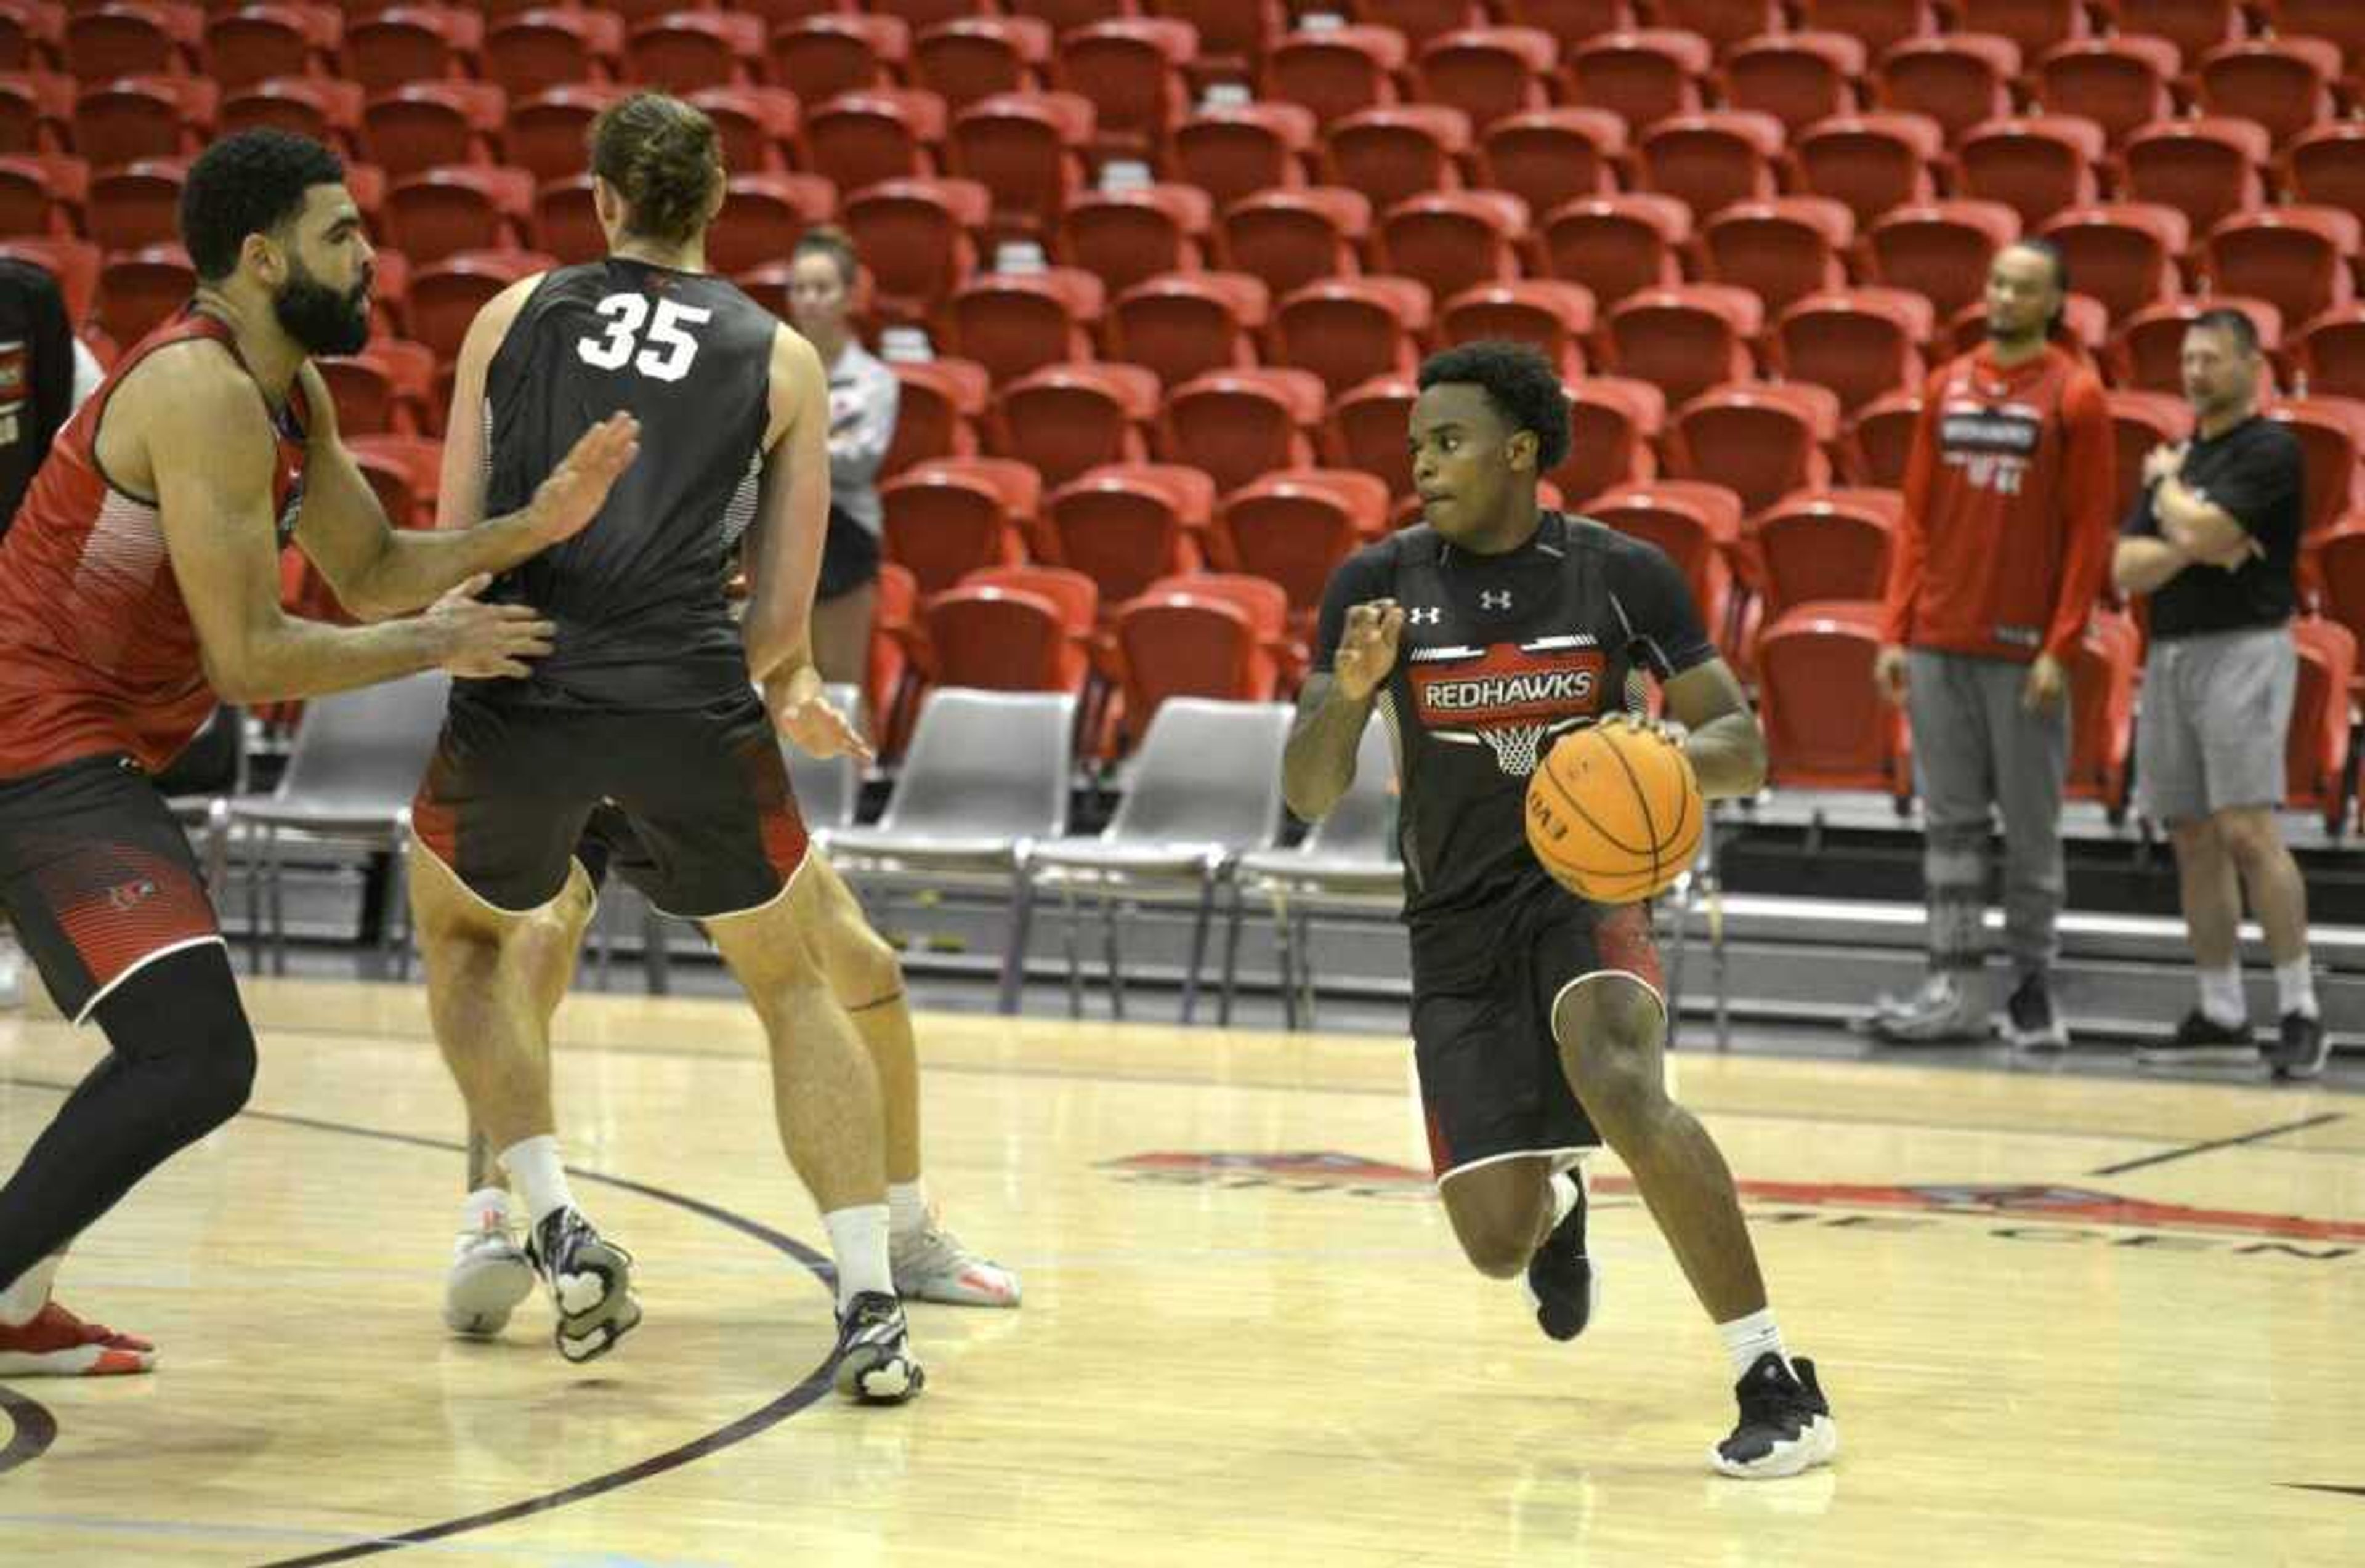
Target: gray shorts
2215	718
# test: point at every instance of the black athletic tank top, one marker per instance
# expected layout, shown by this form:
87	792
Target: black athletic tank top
637	597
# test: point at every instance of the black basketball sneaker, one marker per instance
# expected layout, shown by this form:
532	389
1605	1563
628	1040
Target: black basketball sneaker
875	1364
1785	1423
1562	1280
590	1283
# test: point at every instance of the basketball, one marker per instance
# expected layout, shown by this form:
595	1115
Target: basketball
1614	813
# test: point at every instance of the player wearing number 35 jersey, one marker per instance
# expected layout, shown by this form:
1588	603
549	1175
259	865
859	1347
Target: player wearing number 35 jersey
648	704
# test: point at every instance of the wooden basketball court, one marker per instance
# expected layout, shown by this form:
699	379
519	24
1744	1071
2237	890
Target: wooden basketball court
2063	1320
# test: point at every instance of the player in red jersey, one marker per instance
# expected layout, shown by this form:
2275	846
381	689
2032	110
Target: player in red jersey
140	585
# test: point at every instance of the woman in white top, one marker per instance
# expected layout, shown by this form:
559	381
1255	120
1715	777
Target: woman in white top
823	270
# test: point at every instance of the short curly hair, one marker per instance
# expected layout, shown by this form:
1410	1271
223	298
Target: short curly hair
251	183
1520	384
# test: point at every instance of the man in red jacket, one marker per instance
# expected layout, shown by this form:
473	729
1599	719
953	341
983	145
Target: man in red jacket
2007	534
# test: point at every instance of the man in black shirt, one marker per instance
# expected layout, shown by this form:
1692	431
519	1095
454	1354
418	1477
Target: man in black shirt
1481	636
645	702
2213	541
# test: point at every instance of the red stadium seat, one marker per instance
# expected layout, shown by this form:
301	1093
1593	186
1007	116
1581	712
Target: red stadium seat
1782	250
2341	567
1696	523
1335	70
2327	167
1873	162
441	212
2035	25
1863	343
1418	20
915	239
1014	322
1686	339
2296	256
138	204
1127	524
143	117
1293	529
1128	236
2284	84
412	44
1711	161
762	218
1826	728
1076	598
759	126
1960	80
820	57
2139	421
2208	169
36	111
1235	149
940	404
1234	36
1570	22
2038	165
32	36
2124	253
1823	544
1065	419
1132	70
2119	83
127	37
2151	347
1027	149
1177	642
257	42
999	639
328	111
1549	158
73	263
1617	245
860	138
1239	424
1614	426
1798	78
443	298
1488	71
2330	19
2318	775
970	59
139	290
1880	437
1723	23
2102	708
1452	240
1347	331
1186	324
942	520
1393	154
548	135
1366	428
682	51
1878	23
428	124
405	471
1759	440
1642	76
2331	433
2331	352
548	46
1556	318
387	389
46	193
567	221
1291	238
2195	27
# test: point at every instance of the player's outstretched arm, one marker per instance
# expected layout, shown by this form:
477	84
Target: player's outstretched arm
1723	743
212	457
1318	763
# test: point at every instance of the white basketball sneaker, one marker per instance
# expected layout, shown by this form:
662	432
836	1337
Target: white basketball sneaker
12	972
931	1264
490	1273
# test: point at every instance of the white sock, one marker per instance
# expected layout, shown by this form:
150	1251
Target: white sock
857	1236
1563	1196
533	1164
1746	1339
907	1206
2222	1001
2295	988
29	1292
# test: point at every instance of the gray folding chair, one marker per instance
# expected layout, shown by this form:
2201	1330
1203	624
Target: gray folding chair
1349	864
356	765
1205	788
984	780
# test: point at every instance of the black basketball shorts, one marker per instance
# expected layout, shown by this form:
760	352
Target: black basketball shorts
98	877
511	788
1492	1086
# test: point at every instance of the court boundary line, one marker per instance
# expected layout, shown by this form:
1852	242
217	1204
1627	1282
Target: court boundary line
799	1397
2188	1150
33	1428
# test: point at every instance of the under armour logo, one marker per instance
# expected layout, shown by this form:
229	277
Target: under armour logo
1424	617
1495	598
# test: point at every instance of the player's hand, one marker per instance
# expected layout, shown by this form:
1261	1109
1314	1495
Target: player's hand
566	502
1889	673
484	641
2046	685
1367	650
1667	729
802	713
2164	461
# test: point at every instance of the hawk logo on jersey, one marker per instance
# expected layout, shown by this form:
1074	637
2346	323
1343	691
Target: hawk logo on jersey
1508	696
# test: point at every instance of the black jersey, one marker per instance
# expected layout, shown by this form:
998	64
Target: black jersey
1500	655
638	596
2255	472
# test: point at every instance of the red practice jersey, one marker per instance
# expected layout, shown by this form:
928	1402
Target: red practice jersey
98	654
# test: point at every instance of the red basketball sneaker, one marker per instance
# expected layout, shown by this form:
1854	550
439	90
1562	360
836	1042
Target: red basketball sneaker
57	1344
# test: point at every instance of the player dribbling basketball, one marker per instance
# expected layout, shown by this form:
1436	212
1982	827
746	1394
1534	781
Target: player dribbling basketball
1482	635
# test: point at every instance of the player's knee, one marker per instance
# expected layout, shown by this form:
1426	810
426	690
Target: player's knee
863	969
1605	1033
2248	834
1496	1253
217	1074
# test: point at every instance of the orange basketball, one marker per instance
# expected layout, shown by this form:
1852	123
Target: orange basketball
1614	813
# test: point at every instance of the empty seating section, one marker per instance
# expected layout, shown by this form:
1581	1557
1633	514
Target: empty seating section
1177	264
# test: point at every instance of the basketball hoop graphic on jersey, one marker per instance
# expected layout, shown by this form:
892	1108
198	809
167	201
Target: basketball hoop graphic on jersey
1508	697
